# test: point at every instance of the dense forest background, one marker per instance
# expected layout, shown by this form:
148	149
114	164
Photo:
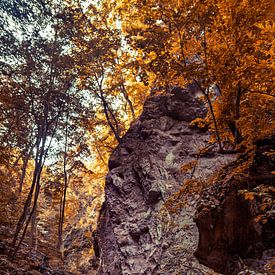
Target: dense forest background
73	77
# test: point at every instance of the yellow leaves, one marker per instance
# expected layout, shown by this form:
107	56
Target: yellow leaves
258	218
249	196
266	26
199	122
228	43
188	166
261	218
88	234
152	55
263	196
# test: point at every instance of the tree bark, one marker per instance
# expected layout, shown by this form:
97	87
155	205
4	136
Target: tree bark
26	157
34	228
106	113
125	94
37	190
24	219
237	134
63	199
206	95
28	201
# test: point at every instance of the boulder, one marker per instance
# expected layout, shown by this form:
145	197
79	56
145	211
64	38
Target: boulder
136	233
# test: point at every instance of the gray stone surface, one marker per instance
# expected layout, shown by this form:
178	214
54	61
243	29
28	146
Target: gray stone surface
136	233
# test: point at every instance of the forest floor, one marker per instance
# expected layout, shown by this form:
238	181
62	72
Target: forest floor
43	259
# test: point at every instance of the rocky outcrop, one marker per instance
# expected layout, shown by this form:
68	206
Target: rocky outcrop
139	233
231	239
136	233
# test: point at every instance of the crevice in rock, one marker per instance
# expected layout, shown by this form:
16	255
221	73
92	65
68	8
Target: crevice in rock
226	233
230	238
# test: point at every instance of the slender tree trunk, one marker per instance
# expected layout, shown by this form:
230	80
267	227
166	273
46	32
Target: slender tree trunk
59	240
106	112
206	95
237	134
109	109
28	201
34	228
25	158
63	199
62	216
233	123
215	122
125	94
39	161
37	190
23	174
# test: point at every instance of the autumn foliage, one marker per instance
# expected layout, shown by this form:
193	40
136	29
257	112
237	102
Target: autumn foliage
74	75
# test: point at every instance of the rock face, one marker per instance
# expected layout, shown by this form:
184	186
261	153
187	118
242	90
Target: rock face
136	232
230	238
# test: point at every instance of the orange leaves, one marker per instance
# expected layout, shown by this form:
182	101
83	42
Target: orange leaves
263	196
188	166
201	123
248	195
227	43
217	42
260	218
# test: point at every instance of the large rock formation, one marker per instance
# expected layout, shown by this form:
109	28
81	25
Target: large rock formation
137	232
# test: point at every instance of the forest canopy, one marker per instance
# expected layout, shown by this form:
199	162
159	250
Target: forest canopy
74	75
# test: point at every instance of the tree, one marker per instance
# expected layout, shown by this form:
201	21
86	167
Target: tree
37	83
103	68
226	46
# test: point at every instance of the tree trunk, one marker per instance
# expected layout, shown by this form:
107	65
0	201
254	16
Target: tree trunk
39	162
125	94
34	229
23	174
237	134
206	95
26	157
106	113
37	190
28	201
63	199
